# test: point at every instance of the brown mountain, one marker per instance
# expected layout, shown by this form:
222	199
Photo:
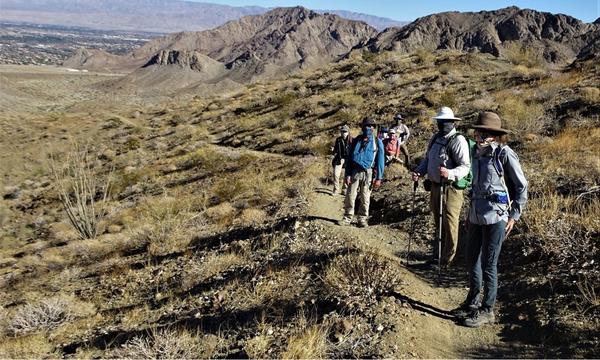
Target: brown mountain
279	42
558	37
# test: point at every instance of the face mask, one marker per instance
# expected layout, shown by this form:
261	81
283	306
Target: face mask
444	127
485	144
344	134
367	131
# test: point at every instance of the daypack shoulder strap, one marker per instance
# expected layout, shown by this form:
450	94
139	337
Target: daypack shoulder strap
499	158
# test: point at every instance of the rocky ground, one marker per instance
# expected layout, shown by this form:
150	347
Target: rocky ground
219	238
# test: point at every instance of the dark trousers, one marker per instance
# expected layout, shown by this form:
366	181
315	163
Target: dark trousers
483	250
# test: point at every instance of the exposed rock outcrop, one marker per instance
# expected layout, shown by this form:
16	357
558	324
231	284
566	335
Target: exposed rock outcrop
559	38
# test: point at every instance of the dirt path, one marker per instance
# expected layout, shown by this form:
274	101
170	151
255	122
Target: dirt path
421	328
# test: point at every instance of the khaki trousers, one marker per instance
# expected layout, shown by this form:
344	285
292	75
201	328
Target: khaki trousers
337	173
361	188
452	203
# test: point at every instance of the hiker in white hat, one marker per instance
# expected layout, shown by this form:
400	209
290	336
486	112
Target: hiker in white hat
446	161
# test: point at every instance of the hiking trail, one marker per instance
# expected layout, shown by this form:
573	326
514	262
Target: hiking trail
422	328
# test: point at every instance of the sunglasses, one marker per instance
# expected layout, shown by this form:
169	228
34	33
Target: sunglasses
483	135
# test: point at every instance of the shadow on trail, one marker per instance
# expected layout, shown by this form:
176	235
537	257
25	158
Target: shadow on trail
423	307
446	278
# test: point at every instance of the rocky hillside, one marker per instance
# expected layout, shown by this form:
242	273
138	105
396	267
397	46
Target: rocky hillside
559	38
277	43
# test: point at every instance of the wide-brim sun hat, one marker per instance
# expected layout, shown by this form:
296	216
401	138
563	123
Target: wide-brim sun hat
398	117
446	113
489	121
368	122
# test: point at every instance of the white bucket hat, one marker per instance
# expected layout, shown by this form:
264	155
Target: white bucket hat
446	114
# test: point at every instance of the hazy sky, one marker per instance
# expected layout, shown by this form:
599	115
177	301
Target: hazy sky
586	10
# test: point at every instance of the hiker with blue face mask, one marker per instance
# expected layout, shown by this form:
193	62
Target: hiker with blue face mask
498	196
446	161
364	171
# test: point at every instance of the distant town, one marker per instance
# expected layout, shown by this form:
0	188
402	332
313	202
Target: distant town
32	44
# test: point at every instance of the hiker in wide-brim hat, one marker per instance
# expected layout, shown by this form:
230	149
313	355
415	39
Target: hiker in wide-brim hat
490	122
402	133
498	196
364	171
446	161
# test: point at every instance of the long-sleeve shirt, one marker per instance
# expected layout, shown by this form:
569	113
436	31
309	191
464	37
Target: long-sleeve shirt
341	148
487	181
403	133
455	158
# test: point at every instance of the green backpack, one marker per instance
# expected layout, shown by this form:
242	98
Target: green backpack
466	181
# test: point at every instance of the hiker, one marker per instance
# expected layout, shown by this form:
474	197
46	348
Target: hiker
364	171
340	153
403	133
498	196
392	148
383	134
446	161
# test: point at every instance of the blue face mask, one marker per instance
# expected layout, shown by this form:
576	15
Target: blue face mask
367	131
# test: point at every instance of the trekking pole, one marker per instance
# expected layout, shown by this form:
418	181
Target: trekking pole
412	221
440	224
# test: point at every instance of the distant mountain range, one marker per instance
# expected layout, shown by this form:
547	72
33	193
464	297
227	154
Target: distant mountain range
164	16
285	40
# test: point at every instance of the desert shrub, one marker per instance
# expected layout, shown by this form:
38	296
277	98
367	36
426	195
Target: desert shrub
258	346
222	214
78	188
443	98
282	99
424	56
361	278
123	179
166	344
45	315
251	217
132	143
165	224
206	158
590	95
518	54
519	115
444	69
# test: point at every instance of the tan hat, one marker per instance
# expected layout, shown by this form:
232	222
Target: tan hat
489	121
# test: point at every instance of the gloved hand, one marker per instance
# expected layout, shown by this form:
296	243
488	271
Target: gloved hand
376	183
348	180
415	176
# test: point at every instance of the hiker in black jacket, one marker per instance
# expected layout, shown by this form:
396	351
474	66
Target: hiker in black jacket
340	153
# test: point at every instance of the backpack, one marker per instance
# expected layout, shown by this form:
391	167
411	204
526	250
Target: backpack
362	162
466	181
499	157
391	146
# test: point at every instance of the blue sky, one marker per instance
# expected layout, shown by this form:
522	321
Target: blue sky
586	10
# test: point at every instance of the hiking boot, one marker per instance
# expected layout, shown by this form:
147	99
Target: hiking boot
464	310
479	317
362	223
344	222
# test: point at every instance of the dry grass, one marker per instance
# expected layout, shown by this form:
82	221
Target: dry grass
165	224
590	95
309	343
518	54
34	346
520	116
208	267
